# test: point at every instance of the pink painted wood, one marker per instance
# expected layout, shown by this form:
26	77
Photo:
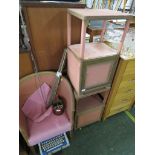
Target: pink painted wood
83	34
126	28
103	30
68	29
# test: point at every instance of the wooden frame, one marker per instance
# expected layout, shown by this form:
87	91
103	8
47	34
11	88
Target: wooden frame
84	66
87	112
93	14
104	94
101	14
114	90
44	21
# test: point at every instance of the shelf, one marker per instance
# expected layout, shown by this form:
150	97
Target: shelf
93	50
96	14
89	104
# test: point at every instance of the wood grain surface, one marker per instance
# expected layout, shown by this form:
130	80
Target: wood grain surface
25	64
47	28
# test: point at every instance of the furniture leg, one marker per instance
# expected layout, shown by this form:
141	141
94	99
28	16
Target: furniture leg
91	37
83	34
124	35
71	134
68	29
103	30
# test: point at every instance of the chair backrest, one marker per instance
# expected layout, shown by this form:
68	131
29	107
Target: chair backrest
30	83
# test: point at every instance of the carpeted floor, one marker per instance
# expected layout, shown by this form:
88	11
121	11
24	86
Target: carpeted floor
114	136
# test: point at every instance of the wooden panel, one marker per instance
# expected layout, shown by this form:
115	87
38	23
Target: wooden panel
126	90
129	84
127	77
118	110
121	105
89	117
130	68
48	34
131	64
122	96
122	93
25	64
52	4
129	71
120	101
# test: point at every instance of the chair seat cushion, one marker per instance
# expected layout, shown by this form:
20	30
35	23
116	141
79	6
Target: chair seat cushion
51	126
35	106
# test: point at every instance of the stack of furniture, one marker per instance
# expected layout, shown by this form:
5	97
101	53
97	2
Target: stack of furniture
91	66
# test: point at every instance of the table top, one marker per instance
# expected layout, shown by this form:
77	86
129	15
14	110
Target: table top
99	14
93	50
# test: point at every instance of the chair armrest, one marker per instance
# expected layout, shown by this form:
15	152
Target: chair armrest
66	92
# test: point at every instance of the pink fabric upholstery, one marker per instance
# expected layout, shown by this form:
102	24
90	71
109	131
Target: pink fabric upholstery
35	106
48	128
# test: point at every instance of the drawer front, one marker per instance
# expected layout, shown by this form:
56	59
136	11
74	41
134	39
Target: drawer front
131	64
123	96
130	68
126	90
127	84
115	111
128	77
121	102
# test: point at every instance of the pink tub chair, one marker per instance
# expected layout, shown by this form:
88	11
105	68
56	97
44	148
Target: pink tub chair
35	132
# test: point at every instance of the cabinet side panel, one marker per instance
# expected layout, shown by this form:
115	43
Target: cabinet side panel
48	29
73	66
97	74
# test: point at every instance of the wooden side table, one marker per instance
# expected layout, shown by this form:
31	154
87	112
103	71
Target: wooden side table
91	66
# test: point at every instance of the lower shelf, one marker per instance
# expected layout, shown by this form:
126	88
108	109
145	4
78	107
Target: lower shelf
89	110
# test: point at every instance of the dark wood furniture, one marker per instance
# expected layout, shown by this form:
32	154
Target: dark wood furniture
25	64
47	29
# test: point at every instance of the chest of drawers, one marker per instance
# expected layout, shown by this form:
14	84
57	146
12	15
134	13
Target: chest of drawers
122	94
